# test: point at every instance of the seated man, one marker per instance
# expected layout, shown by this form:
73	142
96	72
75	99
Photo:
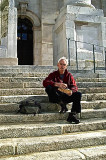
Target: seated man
62	89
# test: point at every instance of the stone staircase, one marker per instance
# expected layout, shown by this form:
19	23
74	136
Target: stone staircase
48	135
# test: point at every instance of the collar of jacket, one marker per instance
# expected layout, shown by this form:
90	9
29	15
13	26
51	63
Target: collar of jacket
65	73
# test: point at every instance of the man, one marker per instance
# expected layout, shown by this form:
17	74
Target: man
62	89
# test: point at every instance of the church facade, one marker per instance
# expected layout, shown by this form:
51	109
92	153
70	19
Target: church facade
39	32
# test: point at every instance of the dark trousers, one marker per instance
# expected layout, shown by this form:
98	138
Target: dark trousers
56	96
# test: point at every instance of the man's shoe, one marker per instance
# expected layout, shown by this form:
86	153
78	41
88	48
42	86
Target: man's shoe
63	108
72	118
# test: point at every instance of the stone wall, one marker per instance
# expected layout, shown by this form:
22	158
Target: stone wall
100	4
49	15
52	24
33	5
84	24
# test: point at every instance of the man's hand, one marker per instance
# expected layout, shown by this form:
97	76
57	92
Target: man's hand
70	92
61	85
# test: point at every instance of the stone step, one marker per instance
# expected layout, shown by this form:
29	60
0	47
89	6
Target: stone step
40	91
91	84
26	68
92	90
41	78
44	98
44	74
49	116
23	74
94	96
45	68
91	153
14	107
41	68
22	91
19	146
38	84
90	79
52	128
22	79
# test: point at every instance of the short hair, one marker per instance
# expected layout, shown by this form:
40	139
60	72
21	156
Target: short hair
63	58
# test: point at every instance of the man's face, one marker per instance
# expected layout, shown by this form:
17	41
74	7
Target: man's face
62	65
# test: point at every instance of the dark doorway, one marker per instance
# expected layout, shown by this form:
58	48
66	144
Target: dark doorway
25	42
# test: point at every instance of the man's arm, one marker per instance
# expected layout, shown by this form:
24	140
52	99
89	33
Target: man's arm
73	85
49	80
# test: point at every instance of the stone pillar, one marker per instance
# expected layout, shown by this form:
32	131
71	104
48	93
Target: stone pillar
8	48
12	30
4	28
37	46
47	44
60	41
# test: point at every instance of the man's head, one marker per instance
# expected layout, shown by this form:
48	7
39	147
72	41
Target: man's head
62	64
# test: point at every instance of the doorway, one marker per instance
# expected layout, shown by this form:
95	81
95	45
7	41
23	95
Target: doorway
24	42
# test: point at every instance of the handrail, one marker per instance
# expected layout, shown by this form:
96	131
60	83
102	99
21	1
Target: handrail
86	42
77	52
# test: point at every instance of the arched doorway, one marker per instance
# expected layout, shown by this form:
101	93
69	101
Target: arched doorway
25	42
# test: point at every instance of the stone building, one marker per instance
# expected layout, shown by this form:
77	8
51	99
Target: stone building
38	32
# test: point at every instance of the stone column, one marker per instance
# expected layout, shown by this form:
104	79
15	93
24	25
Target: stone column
8	48
37	46
4	29
47	44
12	30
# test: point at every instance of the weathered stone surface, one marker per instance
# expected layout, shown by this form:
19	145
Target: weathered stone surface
94	152
39	91
38	83
53	143
6	148
53	128
44	98
49	117
50	107
60	142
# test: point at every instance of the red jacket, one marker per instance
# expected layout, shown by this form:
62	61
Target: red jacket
55	77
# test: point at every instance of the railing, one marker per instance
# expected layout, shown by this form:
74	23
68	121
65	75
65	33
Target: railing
93	52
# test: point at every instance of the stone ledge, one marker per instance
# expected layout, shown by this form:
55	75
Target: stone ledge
94	152
59	127
8	61
53	143
49	116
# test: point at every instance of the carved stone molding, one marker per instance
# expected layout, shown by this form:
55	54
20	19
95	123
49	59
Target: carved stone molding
32	17
23	7
59	29
35	28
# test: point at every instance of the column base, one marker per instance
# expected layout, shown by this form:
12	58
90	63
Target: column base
8	61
